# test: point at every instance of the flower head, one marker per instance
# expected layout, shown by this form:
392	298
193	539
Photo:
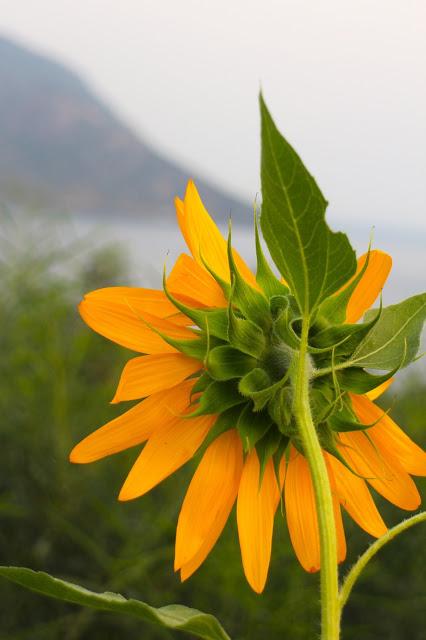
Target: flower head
215	375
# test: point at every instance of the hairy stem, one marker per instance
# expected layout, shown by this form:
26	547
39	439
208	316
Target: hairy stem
360	564
330	606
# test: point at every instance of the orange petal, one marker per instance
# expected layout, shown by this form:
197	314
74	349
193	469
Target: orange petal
377	392
354	495
383	472
302	515
148	374
256	509
390	440
370	285
141	300
122	324
195	283
204	238
210	497
135	426
170	446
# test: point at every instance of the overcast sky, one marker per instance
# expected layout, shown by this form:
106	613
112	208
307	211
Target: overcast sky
345	81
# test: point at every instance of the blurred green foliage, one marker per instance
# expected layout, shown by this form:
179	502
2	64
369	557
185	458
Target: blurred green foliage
57	378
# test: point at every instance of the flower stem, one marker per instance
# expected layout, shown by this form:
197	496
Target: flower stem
360	564
330	606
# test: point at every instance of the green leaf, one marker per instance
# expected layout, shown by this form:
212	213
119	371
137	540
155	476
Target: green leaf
314	261
225	363
174	616
398	328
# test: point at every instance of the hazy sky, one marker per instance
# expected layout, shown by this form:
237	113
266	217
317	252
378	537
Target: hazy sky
345	81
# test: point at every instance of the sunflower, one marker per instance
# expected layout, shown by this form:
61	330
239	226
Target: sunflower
216	356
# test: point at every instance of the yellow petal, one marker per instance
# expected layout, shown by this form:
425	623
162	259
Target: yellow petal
377	392
389	438
148	374
204	239
370	285
355	496
135	426
383	472
122	324
195	284
255	516
302	515
210	497
170	446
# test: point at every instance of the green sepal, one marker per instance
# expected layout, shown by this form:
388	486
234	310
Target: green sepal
216	319
244	335
328	442
282	450
283	327
323	403
278	304
399	327
225	363
360	381
223	284
346	420
252	427
225	421
257	386
265	277
266	448
280	410
333	309
249	301
337	335
201	385
217	398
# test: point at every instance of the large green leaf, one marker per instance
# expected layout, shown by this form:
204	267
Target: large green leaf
398	329
314	261
173	616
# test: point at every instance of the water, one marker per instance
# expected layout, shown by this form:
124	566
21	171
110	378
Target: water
148	246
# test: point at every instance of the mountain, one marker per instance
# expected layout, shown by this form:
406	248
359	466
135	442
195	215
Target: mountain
63	149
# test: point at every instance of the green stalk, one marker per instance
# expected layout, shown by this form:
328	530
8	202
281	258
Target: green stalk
362	561
330	606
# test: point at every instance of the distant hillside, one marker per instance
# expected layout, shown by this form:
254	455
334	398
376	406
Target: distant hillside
62	148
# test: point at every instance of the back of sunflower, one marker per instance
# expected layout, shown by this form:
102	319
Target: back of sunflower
271	381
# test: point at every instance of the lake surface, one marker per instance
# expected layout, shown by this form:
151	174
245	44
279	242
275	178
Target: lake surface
148	246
